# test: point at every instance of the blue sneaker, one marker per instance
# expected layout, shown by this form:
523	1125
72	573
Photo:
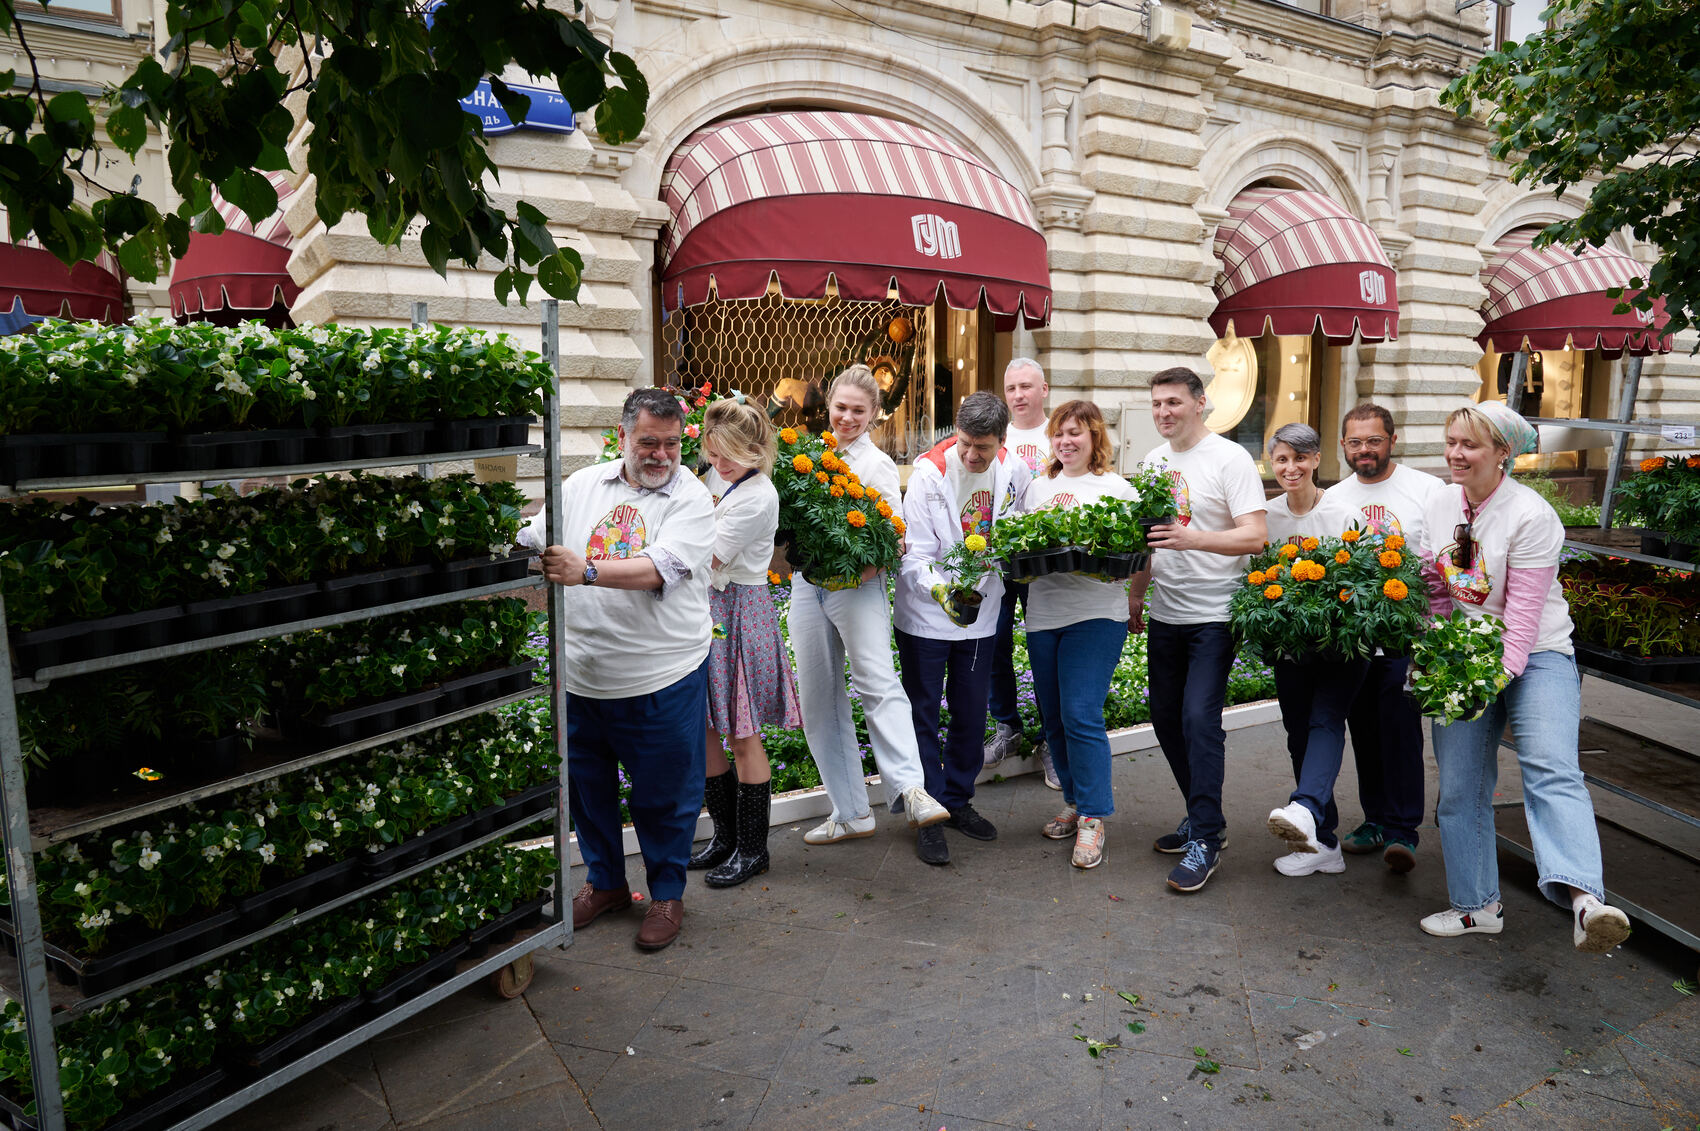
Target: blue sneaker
1173	844
1195	868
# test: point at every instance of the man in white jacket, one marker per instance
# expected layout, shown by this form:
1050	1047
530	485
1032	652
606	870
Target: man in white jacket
963	486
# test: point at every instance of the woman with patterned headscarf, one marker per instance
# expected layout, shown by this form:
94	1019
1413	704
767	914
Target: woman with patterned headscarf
1494	550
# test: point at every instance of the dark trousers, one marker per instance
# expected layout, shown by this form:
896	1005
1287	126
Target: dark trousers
661	739
961	671
1188	685
1387	742
1315	698
1005	701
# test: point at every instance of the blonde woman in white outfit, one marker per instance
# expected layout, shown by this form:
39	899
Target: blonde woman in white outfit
828	625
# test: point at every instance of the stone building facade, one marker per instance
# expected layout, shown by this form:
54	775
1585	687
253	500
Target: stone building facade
1131	128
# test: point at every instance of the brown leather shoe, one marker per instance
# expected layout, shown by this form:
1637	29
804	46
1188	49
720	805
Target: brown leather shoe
590	903
661	924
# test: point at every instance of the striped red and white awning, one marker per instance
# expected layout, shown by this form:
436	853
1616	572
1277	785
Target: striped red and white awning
243	270
34	282
1546	299
1294	261
871	203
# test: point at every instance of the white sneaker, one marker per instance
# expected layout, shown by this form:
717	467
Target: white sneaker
1599	926
1043	753
1453	922
1005	742
830	831
1325	859
1296	825
921	809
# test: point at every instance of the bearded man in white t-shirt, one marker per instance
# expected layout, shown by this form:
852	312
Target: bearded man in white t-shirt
1387	729
1024	391
1197	563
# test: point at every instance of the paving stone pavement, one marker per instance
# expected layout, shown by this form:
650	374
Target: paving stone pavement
855	987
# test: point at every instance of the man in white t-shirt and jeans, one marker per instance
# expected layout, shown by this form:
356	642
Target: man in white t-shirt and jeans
1024	391
1197	563
1387	729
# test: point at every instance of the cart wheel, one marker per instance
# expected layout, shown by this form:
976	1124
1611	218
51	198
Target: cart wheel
514	978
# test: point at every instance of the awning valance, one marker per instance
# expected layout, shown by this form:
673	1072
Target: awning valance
1294	261
33	279
1555	296
243	269
868	202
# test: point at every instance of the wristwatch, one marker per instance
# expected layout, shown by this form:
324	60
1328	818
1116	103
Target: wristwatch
589	574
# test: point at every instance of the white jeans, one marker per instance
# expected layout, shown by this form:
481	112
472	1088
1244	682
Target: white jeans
825	626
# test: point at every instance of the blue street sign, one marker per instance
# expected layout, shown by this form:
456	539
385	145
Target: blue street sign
549	111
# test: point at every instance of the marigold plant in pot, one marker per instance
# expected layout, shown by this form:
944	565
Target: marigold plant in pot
835	526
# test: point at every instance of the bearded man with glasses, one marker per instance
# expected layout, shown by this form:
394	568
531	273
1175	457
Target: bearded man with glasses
1385	498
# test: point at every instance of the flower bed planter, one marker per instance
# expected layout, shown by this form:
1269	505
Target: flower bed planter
152	1112
317	1031
414	981
1646	669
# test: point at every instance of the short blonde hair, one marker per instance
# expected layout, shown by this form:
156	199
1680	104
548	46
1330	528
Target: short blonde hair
1092	420
740	433
1479	426
858	377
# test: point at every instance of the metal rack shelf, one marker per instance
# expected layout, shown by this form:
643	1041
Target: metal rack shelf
44	1008
183	475
86	825
44	676
1630	555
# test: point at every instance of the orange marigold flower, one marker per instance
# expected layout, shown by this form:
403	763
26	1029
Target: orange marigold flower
1394	542
883	507
1255	577
837	491
1342	557
829	439
1310	544
803	464
1273	592
788	435
856	518
872	494
1394	589
1306	570
897	524
821	475
855	490
1345	594
1272	572
1351	535
1693	461
1652	464
773	578
1390	559
1289	551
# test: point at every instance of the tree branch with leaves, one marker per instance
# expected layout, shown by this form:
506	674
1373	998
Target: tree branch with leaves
1610	90
387	137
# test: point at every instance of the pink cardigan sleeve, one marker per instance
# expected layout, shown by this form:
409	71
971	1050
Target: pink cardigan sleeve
1439	596
1525	596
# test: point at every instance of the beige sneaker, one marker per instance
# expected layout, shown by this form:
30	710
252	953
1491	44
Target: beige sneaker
921	809
1062	826
1599	926
1089	843
830	831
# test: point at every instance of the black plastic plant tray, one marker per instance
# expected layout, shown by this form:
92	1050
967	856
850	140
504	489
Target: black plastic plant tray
377	441
412	982
471	573
538	799
1040	563
426	845
342	727
156	1110
303	893
92	639
219	615
94	976
514	431
1646	669
481	687
1115	565
502	929
374	587
316	1032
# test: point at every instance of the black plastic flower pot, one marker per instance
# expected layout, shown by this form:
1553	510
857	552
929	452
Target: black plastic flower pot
334	443
316	1032
354	591
968	606
154	1111
501	930
377	441
33	457
410	983
514	567
388	861
1645	669
202	451
1114	564
303	893
108	971
58	644
484	433
287	603
1653	544
513	431
136	454
285	447
150	628
453	436
413	439
462	574
97	453
1682	552
346	725
213	758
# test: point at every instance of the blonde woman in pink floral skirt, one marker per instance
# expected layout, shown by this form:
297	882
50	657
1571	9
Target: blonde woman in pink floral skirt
749	672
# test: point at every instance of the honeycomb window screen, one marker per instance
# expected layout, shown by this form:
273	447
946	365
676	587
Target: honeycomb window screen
789	350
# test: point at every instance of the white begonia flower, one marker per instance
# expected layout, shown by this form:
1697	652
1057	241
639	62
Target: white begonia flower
148	859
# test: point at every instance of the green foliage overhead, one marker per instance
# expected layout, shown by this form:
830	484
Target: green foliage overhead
388	138
1611	91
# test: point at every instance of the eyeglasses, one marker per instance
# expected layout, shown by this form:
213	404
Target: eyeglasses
1465	546
1374	444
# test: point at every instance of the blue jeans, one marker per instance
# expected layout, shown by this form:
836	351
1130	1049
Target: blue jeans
662	741
1314	700
960	670
1004	703
1544	707
1188	685
1387	745
1072	667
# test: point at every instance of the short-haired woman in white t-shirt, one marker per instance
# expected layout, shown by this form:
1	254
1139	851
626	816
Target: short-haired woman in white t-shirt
1075	633
1494	550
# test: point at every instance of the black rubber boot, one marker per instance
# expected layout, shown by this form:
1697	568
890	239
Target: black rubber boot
720	799
751	857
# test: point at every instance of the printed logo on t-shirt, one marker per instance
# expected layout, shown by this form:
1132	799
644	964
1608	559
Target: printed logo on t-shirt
1031	456
1060	500
977	514
1471	585
1381	521
618	536
1183	497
